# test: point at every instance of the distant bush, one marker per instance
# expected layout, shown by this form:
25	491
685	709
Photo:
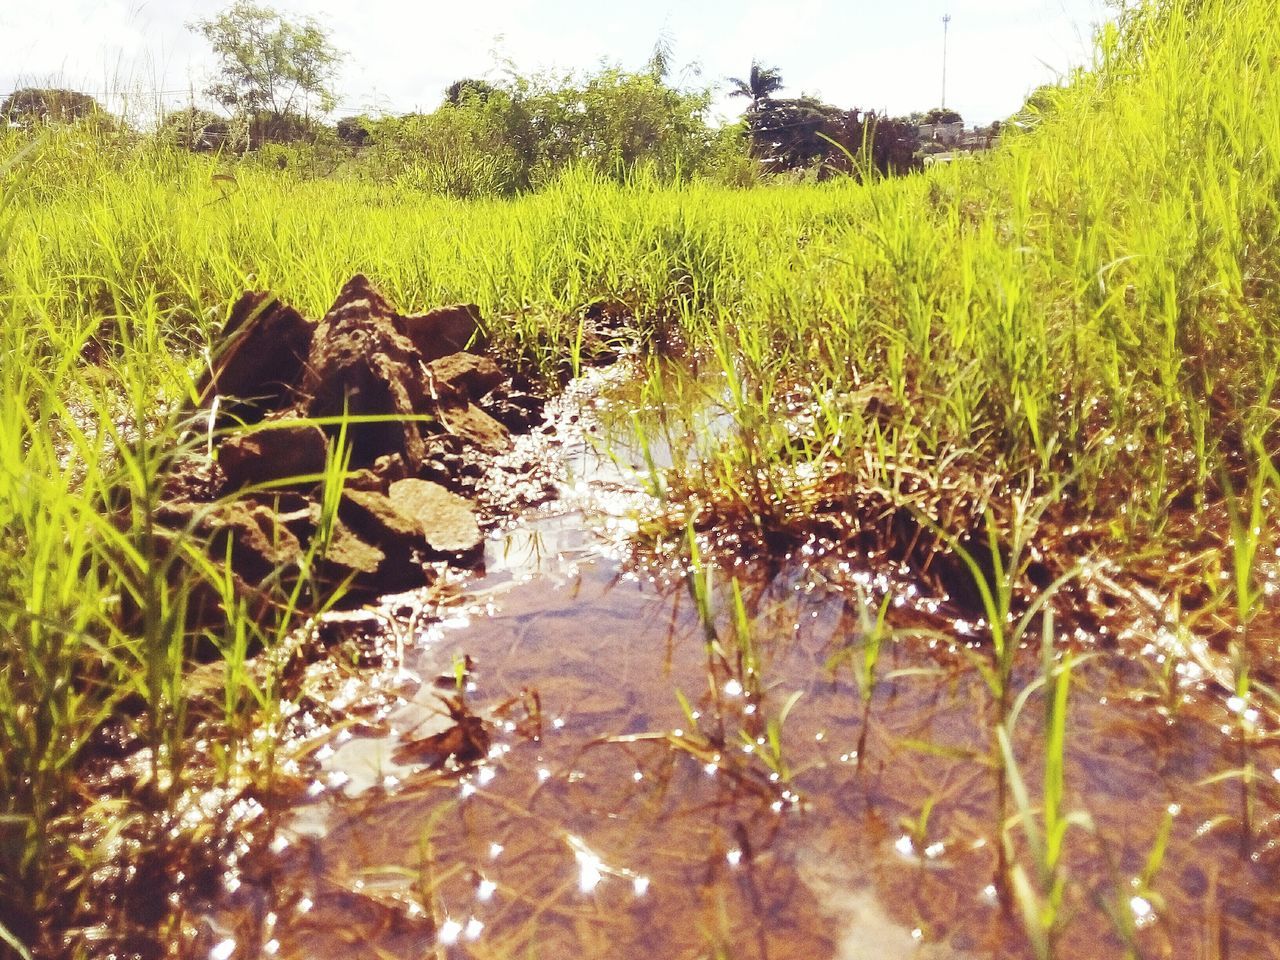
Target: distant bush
31	105
201	130
355	131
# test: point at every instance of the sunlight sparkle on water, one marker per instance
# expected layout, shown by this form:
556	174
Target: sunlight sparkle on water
485	891
733	688
1143	913
450	931
589	865
223	950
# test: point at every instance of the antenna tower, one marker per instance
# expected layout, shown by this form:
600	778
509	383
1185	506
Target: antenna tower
946	20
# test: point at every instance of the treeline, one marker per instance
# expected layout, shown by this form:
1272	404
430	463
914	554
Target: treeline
494	137
501	139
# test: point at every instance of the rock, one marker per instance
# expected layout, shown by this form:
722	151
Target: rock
365	480
361	365
448	522
260	358
445	330
390	468
260	544
376	520
470	423
192	477
348	554
300	519
422	406
281	452
368	568
516	410
465	375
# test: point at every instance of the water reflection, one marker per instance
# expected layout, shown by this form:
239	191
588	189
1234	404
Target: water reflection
776	813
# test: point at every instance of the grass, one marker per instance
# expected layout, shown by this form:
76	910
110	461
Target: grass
1088	316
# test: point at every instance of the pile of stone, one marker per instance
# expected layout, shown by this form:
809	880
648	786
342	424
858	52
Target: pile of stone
419	411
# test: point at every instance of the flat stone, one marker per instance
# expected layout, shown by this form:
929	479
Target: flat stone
447	521
466	375
349	553
260	544
273	453
444	330
375	519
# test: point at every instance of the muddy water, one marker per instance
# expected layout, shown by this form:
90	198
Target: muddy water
605	820
644	787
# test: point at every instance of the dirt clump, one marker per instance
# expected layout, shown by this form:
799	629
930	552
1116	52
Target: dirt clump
404	411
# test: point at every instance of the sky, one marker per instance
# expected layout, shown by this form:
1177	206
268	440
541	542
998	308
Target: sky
869	54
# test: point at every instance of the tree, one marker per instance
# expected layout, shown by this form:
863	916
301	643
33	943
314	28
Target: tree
760	85
795	134
943	115
47	105
662	57
805	134
460	90
271	69
355	131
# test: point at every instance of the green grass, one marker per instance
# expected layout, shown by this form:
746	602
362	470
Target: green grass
1091	309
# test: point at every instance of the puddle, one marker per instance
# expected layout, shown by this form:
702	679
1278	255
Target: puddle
628	827
637	792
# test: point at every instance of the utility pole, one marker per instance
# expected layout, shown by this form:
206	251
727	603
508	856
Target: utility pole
946	19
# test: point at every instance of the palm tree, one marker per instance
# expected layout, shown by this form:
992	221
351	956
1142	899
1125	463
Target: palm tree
762	83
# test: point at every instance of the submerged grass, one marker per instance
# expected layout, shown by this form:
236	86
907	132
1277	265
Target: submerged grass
1095	305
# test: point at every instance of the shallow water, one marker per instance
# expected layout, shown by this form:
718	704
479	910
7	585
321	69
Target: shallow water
611	823
774	812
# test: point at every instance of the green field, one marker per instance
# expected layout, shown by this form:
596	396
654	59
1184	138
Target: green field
1067	347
